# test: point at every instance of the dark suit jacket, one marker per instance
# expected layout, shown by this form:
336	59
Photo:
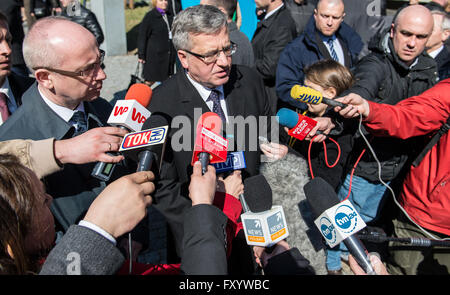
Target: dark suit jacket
72	188
204	241
245	96
269	40
19	84
85	252
443	63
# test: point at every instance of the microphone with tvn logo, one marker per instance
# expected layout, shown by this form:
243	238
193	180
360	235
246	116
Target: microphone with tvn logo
300	126
337	221
308	95
209	146
129	114
264	224
147	146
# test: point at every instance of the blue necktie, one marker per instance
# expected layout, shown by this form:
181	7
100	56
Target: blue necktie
79	121
217	108
332	51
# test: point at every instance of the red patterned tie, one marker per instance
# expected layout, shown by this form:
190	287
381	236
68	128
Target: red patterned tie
4	107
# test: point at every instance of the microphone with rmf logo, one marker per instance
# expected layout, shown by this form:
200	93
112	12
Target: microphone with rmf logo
337	221
308	95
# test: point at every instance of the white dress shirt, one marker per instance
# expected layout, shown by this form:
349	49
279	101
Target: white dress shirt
65	113
205	92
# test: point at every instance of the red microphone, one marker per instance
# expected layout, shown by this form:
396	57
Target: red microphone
300	126
209	146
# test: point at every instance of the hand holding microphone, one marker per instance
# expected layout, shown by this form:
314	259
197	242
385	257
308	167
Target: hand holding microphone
202	187
128	114
91	146
357	105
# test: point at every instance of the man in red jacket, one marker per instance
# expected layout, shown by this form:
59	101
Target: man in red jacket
425	194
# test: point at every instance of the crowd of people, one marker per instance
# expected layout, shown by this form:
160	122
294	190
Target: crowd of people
391	72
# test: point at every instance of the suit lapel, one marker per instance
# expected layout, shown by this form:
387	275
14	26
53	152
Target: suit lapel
47	121
235	103
189	99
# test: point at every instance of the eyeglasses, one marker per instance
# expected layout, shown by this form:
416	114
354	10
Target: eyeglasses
83	73
212	57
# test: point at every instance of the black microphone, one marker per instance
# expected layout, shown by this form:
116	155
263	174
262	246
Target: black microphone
147	146
264	224
321	197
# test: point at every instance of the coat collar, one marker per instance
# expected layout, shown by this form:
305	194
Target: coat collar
47	121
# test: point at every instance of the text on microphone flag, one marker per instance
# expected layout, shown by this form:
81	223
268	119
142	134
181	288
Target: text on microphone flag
146	137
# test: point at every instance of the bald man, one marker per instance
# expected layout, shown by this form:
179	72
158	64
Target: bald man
66	62
397	68
326	36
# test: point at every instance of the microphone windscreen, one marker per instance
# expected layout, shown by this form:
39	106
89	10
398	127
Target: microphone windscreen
320	195
298	92
257	193
210	121
140	92
156	119
287	117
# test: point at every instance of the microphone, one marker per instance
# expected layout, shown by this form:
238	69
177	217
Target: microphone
129	114
209	146
300	126
308	95
337	221
147	146
264	224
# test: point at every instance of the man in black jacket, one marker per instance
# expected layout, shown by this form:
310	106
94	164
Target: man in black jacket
208	82
82	16
397	68
272	34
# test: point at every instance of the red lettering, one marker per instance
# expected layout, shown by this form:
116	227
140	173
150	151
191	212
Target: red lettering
120	110
138	117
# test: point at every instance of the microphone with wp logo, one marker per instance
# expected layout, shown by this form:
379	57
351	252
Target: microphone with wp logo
129	114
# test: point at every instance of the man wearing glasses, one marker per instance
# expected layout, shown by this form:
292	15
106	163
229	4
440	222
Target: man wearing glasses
67	64
326	36
210	83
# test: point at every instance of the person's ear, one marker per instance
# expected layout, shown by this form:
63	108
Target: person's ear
44	78
330	92
445	35
392	31
182	56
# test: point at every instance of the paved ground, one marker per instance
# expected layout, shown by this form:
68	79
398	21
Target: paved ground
118	70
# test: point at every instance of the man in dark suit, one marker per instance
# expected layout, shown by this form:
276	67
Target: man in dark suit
272	34
12	86
209	82
326	36
436	45
63	103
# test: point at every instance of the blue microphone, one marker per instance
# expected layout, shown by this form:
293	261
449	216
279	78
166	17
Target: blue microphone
287	117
